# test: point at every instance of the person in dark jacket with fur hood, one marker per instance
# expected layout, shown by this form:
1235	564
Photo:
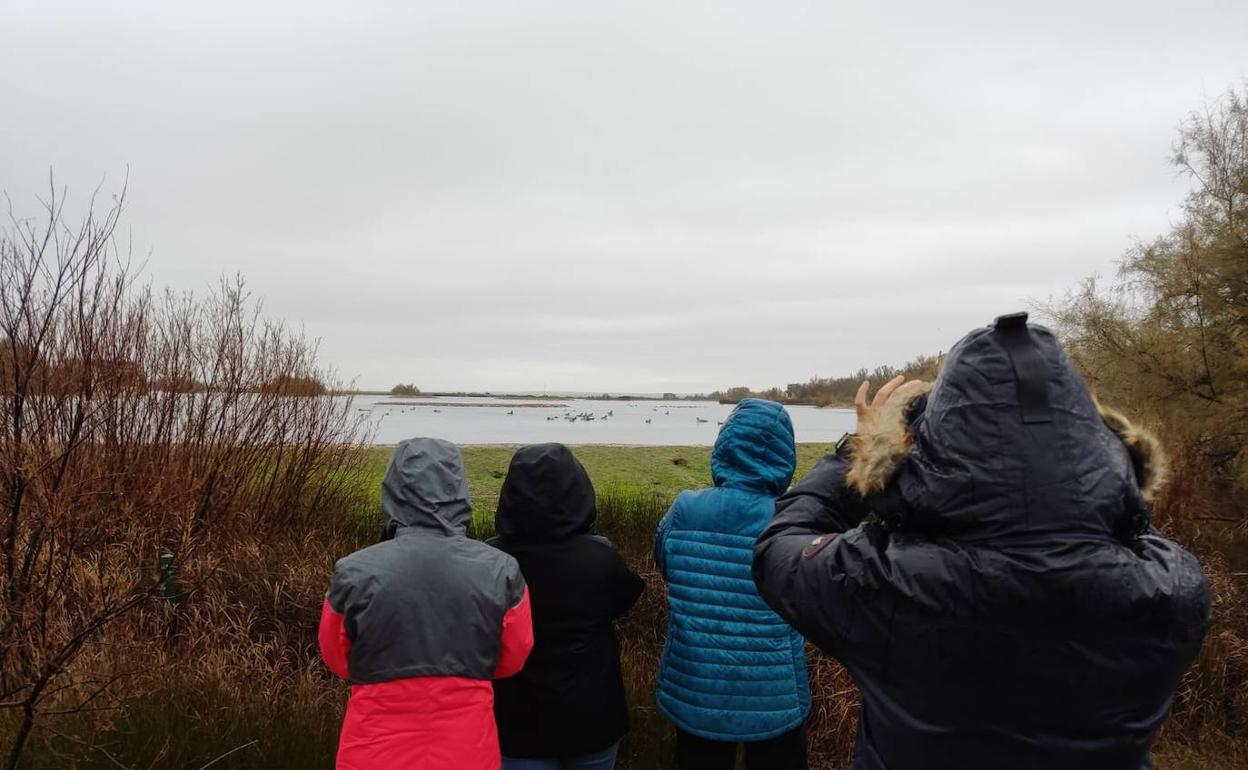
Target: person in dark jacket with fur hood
980	558
567	708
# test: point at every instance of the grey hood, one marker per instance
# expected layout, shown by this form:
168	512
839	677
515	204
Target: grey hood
425	488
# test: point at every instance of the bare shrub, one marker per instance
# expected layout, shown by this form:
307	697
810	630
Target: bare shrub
136	424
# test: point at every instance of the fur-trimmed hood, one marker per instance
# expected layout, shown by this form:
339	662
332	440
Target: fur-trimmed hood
959	458
1148	457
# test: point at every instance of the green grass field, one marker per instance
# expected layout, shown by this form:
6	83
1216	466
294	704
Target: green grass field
617	471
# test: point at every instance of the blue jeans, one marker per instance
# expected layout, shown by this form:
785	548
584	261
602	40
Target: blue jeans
603	760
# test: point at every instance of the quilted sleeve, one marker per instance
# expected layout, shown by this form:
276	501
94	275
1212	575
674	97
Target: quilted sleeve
808	569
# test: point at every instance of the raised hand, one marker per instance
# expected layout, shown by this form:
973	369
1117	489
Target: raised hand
896	390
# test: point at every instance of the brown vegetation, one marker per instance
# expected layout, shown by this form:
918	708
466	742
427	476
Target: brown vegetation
126	507
405	389
833	391
1168	340
293	385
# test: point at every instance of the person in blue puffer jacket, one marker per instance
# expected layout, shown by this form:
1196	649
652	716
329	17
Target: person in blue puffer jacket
732	671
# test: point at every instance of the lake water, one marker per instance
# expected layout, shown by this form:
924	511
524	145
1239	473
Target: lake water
524	421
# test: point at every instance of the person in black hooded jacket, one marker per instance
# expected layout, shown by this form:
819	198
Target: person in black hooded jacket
1007	604
567	707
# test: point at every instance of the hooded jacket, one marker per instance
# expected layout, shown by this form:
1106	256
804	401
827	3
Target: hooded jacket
1012	606
732	669
569	699
421	623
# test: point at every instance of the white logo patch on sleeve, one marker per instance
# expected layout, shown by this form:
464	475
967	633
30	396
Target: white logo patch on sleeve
817	545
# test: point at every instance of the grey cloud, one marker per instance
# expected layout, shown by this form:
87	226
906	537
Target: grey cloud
636	196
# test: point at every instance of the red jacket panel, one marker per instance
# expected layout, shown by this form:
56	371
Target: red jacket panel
334	642
517	641
423	722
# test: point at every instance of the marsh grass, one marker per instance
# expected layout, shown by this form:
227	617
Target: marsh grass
240	672
629	516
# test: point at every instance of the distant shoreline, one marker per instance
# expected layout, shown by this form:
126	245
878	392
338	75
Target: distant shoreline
525	396
600	397
451	404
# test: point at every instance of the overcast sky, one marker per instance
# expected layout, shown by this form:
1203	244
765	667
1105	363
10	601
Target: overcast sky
624	196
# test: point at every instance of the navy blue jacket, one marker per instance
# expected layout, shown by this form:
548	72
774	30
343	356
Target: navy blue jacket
1010	606
732	670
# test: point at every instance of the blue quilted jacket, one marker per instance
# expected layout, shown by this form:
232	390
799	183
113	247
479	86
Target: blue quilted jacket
732	670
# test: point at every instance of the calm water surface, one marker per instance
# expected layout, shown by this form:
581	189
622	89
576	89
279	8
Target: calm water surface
521	421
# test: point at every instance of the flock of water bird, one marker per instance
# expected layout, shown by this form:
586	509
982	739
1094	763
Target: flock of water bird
592	416
573	420
582	416
568	416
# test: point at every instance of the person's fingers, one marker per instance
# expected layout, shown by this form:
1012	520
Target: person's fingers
887	389
860	400
908	391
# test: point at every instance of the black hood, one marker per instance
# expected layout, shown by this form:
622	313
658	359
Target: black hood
546	496
971	459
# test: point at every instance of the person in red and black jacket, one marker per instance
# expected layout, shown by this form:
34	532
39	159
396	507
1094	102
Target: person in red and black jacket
421	624
567	708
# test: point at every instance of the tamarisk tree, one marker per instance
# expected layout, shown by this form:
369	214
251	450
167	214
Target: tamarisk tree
1171	332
